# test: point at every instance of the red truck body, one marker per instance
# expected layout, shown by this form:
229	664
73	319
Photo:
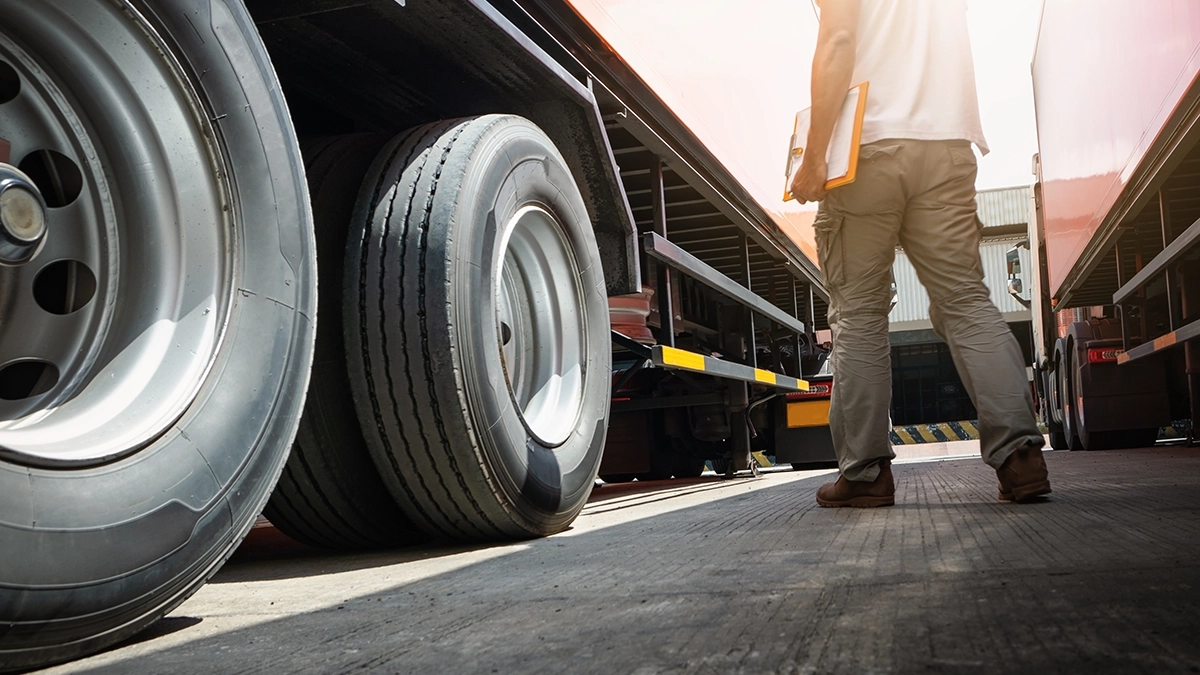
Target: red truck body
1115	233
1109	78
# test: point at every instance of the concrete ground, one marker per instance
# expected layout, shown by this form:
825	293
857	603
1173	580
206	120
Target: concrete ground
741	576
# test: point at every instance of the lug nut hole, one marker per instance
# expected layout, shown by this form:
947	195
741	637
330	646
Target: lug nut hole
10	83
64	286
26	379
56	176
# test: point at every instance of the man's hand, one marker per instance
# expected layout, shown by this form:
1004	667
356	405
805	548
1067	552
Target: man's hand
832	67
809	183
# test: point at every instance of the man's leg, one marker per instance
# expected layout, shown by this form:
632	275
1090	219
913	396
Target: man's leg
856	232
941	235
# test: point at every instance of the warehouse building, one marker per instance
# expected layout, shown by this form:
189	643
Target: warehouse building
925	386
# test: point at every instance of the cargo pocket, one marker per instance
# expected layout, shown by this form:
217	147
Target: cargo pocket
869	152
962	155
830	253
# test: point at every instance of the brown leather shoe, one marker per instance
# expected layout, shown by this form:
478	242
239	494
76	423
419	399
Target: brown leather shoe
842	492
1023	475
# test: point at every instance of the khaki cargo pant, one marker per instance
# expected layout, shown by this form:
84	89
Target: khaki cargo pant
920	195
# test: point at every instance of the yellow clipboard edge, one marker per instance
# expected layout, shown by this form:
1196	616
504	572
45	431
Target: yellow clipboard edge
793	154
855	140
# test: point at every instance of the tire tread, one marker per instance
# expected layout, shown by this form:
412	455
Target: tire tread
330	494
399	325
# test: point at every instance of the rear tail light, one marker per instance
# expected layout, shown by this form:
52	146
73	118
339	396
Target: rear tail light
1104	354
815	390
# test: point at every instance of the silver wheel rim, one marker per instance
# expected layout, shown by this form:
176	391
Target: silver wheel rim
139	259
541	324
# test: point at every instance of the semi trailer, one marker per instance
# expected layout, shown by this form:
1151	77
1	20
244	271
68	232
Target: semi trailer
1114	284
383	270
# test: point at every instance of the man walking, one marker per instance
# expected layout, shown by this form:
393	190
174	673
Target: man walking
915	187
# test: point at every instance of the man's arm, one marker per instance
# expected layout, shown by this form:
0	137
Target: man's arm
832	68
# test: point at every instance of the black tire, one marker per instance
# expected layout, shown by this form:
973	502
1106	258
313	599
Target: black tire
1058	440
330	494
688	467
674	464
92	551
426	282
677	458
1066	388
721	465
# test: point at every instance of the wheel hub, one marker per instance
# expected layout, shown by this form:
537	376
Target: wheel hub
541	325
22	217
114	235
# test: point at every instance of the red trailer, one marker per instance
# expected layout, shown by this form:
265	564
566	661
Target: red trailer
1116	220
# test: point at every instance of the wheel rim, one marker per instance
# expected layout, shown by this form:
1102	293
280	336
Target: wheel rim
541	324
106	336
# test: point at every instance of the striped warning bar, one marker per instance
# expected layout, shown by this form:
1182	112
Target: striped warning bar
941	432
670	357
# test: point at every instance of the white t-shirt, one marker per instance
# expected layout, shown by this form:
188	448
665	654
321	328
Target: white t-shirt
917	56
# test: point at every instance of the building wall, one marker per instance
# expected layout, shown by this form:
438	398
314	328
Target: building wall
925	386
912	307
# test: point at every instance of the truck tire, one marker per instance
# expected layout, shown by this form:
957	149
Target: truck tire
672	457
168	320
330	494
1058	440
689	467
485	416
1066	389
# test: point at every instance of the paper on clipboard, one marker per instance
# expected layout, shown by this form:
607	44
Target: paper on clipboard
842	156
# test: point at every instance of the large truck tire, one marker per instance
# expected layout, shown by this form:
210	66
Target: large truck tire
1067	399
1079	437
1058	440
330	494
154	356
477	330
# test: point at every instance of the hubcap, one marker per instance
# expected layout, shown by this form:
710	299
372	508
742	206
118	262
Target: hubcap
22	217
541	324
105	336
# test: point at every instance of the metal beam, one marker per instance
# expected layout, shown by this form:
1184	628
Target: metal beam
1164	212
661	249
638	349
1175	337
1178	248
666	312
751	339
660	402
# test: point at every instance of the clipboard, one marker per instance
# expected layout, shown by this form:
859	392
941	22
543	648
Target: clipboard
842	156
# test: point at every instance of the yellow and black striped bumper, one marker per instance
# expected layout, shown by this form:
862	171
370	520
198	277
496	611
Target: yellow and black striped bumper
670	357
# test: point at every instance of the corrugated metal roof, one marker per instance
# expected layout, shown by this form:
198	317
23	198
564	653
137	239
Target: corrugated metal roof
913	301
1004	206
